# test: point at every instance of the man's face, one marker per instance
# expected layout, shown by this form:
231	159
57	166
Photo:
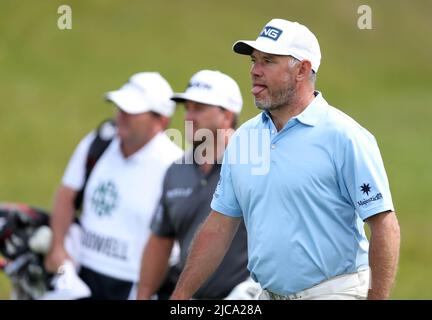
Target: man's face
203	116
273	80
135	128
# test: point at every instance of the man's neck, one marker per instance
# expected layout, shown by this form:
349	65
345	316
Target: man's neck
128	148
209	159
216	149
283	114
206	167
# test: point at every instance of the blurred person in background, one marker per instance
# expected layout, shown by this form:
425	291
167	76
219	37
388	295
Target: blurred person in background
212	103
122	191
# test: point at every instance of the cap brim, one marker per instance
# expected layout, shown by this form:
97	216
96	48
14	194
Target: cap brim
179	97
244	47
126	103
200	98
247	47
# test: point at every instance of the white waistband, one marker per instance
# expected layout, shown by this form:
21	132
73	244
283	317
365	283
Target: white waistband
337	284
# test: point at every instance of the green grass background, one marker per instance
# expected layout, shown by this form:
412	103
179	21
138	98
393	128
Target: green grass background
52	84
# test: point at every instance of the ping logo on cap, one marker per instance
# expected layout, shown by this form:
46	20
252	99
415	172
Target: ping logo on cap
271	32
197	84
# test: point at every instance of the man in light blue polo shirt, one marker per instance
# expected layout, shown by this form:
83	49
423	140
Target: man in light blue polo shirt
319	177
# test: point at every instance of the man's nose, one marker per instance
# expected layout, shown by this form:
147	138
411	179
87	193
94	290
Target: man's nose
256	70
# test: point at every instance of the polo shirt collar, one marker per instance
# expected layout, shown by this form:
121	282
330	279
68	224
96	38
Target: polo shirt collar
311	115
313	112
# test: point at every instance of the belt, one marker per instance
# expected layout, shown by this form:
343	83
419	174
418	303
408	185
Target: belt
275	296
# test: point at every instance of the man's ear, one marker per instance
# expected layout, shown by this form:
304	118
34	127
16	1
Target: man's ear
229	117
304	70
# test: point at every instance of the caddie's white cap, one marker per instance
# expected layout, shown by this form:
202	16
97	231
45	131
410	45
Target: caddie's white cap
212	88
145	91
286	38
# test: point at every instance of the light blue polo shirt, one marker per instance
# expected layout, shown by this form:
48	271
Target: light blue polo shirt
304	193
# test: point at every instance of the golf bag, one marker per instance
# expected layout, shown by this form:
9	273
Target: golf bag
25	238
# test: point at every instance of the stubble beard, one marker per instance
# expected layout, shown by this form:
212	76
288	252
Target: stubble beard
277	99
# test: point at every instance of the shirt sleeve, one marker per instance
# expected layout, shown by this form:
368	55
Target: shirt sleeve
364	175
224	198
75	171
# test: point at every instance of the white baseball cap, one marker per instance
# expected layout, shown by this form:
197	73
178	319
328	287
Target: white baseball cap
212	88
145	91
283	37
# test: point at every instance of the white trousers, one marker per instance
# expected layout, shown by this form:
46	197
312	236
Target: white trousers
354	286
